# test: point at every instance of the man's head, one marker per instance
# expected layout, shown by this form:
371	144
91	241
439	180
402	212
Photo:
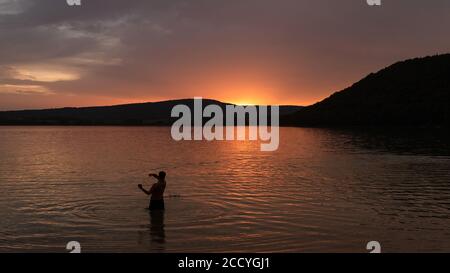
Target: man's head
162	175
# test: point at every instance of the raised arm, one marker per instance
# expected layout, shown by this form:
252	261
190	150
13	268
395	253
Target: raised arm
154	175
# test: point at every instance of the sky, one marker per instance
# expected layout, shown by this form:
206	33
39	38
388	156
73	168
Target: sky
294	52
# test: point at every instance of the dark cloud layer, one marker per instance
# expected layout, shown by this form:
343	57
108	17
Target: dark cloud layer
262	51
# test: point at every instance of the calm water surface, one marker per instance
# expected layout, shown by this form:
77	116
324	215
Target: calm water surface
322	191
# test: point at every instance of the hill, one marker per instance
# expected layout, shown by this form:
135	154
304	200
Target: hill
151	113
415	92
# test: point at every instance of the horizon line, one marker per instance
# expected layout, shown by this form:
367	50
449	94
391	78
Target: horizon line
149	102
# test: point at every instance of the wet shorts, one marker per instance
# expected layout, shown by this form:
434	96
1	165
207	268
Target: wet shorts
156	204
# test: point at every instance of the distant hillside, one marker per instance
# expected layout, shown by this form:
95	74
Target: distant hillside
410	93
414	93
152	113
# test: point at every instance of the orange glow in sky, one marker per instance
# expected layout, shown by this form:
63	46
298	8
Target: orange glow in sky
243	52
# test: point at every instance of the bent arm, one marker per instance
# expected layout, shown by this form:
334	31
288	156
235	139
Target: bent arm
148	192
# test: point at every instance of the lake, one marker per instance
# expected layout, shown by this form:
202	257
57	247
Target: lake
322	191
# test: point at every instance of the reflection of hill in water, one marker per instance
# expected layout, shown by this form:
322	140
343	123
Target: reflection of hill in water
397	141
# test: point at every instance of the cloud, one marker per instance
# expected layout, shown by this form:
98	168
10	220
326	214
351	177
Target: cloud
23	89
8	7
43	74
287	51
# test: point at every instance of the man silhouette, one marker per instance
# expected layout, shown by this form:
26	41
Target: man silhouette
156	191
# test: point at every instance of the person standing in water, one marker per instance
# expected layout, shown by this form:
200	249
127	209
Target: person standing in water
156	191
